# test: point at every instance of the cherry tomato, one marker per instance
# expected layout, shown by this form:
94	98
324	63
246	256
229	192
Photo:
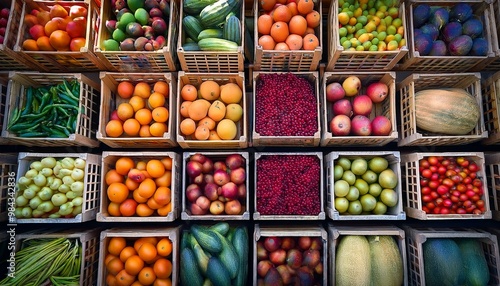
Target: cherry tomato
427	198
426	190
454	199
433	160
461	211
470	194
435	176
473	175
450	173
433	184
448	203
480	204
426	173
477	211
436	210
444	211
446	162
434	168
467	180
448	182
442	189
434	195
477	183
473	167
475	198
456	179
442	170
463	197
424	163
424	182
431	205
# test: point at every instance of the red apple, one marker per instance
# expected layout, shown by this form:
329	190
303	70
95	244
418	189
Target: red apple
199	180
221	177
278	257
193	169
287	243
193	192
114	115
342	106
216	207
340	125
261	251
229	191
76	29
285	273
203	202
381	126
208	178
362	105
220	165
361	125
37	31
77	44
207	166
263	267
334	91
304	242
377	91
233	207
198	158
271	243
211	191
197	210
77	11
238	175
242	191
234	161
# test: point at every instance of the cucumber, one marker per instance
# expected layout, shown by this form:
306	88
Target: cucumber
240	243
194	7
218	45
232	30
200	255
208	239
190	276
217	273
192	27
185	239
220	227
210	33
191	47
228	256
214	15
475	263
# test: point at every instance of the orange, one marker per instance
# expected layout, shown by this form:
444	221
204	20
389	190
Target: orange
189	92
162	266
123	165
136	283
161	87
60	40
143	116
264	23
267	42
142	90
207	122
131	127
114	209
141	165
165	210
231	93
134	264
30	45
201	133
156	99
163	282
147	251
108	257
199	109
114	266
155	168
167	162
157	129
140	241
153	204
162	195
43	44
125	89
143	210
279	31
313	19
282	13
267	5
137	102
293	8
213	134
144	131
187	126
127	207
294	42
147	188
117	192
160	114
310	30
164	247
184	108
116	245
111	280
124	278
126	253
298	25
138	198
305	6
281	47
209	90
147	276
125	111
112	176
114	128
310	42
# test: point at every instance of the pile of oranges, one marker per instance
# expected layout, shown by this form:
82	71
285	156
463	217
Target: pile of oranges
139	188
144	111
143	261
211	111
288	25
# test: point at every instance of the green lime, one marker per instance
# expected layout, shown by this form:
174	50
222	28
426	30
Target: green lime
375	41
343	32
362	19
373	48
346	44
391	30
381	36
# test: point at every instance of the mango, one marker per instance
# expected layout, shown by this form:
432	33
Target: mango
431	30
423	44
473	28
460	12
421	14
440	17
460	46
438	48
451	31
479	47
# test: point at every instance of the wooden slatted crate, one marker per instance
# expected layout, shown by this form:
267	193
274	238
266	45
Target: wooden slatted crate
393	213
62	61
416	62
491	107
195	79
8	169
386	108
411	177
492	162
4	91
162	60
110	101
294	60
409	134
109	159
211	61
341	59
416	237
87	117
91	182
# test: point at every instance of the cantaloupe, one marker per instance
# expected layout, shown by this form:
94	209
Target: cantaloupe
352	261
386	261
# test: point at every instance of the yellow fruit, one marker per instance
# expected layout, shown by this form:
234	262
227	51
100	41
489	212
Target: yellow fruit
198	109
234	112
209	90
231	93
217	110
226	129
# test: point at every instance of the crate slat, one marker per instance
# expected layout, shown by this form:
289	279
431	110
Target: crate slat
492	162
490	89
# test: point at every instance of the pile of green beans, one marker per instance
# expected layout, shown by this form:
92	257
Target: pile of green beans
48	111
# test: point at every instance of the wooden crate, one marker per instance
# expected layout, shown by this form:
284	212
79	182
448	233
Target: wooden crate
86	121
4	91
494	64
341	59
415	62
87	238
241	140
386	108
211	61
302	141
293	61
336	233
393	213
313	231
92	185
258	216
215	156
130	236
410	135
491	108
8	169
110	101
411	178
62	61
416	237
9	59
109	159
492	162
163	60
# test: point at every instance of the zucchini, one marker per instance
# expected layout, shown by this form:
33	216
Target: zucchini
192	27
228	256
208	239
194	7
215	44
200	255
190	276
191	47
214	15
240	243
220	227
217	273
232	30
210	33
